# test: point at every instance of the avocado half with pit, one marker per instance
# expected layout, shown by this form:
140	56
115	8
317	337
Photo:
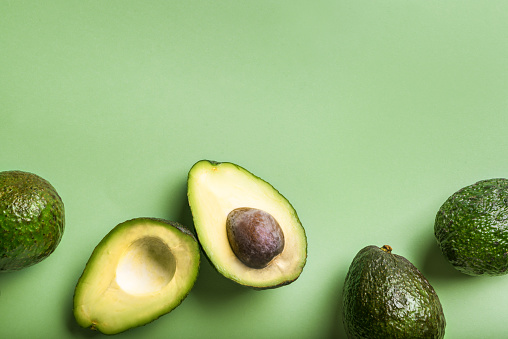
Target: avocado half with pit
249	232
142	269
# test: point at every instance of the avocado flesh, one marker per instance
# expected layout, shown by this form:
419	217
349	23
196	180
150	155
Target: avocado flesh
142	269
471	228
386	296
32	220
214	190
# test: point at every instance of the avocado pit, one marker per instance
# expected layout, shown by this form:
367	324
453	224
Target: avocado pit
254	235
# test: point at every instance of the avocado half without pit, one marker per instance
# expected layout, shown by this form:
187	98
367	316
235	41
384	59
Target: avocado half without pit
249	232
141	270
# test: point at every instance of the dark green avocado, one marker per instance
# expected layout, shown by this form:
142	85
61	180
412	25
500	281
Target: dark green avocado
386	296
471	228
32	219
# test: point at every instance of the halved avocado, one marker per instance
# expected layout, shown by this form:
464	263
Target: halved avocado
142	269
221	197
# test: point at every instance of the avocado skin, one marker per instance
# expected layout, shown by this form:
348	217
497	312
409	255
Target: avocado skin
471	228
32	220
386	296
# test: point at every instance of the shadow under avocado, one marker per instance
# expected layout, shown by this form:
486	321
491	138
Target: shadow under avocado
337	330
184	213
436	266
213	288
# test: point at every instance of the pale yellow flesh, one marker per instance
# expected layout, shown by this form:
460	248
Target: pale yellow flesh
214	191
140	274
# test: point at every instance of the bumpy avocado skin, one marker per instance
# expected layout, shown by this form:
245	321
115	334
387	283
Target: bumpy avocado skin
471	228
32	220
386	296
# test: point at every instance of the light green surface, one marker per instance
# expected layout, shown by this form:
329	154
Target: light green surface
366	115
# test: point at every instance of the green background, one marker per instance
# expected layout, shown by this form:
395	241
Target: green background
366	115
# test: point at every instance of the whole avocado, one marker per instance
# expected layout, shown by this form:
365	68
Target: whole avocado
471	228
386	296
32	220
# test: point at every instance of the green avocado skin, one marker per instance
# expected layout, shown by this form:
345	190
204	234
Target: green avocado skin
386	296
471	228
32	220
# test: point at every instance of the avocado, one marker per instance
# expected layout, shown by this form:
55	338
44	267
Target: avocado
471	228
32	220
142	269
249	232
386	296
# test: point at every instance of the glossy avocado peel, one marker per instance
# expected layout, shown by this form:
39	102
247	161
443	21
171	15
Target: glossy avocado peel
386	296
32	220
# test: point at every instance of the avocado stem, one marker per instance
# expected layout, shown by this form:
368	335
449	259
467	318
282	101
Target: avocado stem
387	248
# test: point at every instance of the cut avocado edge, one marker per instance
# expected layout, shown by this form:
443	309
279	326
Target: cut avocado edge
107	298
204	193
